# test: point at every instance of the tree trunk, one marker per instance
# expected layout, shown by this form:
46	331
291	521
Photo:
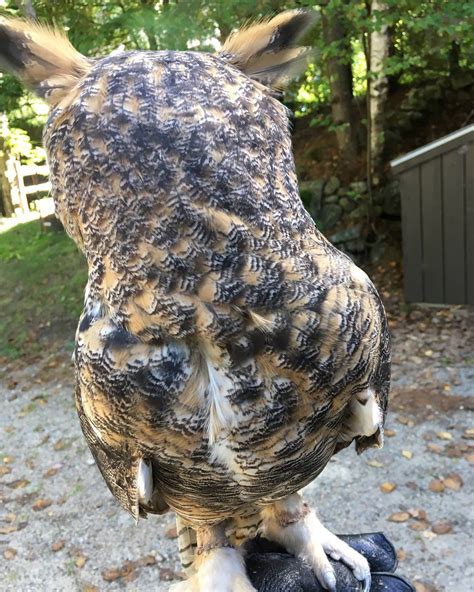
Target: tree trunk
28	10
340	82
378	89
6	199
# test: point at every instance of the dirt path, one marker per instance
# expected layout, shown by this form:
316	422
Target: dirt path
60	529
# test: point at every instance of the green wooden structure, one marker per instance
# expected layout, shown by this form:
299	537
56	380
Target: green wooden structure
437	191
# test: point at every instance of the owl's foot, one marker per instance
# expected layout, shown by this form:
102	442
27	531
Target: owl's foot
218	566
294	525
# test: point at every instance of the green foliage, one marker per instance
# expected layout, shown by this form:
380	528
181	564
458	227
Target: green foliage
41	292
18	142
423	33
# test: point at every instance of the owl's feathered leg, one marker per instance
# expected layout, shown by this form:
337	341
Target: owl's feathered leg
218	565
294	525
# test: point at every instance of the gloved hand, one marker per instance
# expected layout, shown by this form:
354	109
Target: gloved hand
272	569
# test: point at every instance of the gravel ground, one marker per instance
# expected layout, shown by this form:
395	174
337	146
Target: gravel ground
60	529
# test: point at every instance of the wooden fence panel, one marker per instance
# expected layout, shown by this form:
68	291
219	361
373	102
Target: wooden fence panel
437	190
454	227
432	230
412	234
469	201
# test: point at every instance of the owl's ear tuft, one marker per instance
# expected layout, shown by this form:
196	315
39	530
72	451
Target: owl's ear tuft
41	57
266	51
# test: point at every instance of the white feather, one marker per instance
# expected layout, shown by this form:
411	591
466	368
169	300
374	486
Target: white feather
144	481
221	414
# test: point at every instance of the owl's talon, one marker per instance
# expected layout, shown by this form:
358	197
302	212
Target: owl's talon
327	579
367	582
291	524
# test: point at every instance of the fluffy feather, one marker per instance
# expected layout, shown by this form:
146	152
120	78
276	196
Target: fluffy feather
266	50
43	58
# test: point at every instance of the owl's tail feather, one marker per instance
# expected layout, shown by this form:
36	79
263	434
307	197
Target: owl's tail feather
42	58
266	51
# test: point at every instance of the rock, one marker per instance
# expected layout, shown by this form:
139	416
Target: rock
415	100
347	234
330	216
347	204
377	211
332	186
311	193
462	80
356	246
377	253
331	199
433	91
361	211
390	198
359	187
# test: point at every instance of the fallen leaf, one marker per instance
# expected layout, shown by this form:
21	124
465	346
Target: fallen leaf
468	434
9	553
454	450
80	561
58	545
407	454
442	527
401	555
8	459
41	504
453	481
146	561
130	576
434	448
405	421
423	587
90	588
5	471
18	483
417	513
52	471
399	517
375	463
389	433
110	575
428	534
420	525
387	487
10	517
436	486
8	529
444	435
60	444
171	532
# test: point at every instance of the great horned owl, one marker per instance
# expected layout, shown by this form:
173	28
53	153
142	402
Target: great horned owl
226	350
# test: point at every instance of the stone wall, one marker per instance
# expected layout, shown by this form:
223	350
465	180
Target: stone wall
342	213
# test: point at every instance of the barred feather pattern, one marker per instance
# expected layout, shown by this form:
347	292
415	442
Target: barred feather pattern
173	171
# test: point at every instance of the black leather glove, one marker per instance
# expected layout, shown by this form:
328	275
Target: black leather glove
272	569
